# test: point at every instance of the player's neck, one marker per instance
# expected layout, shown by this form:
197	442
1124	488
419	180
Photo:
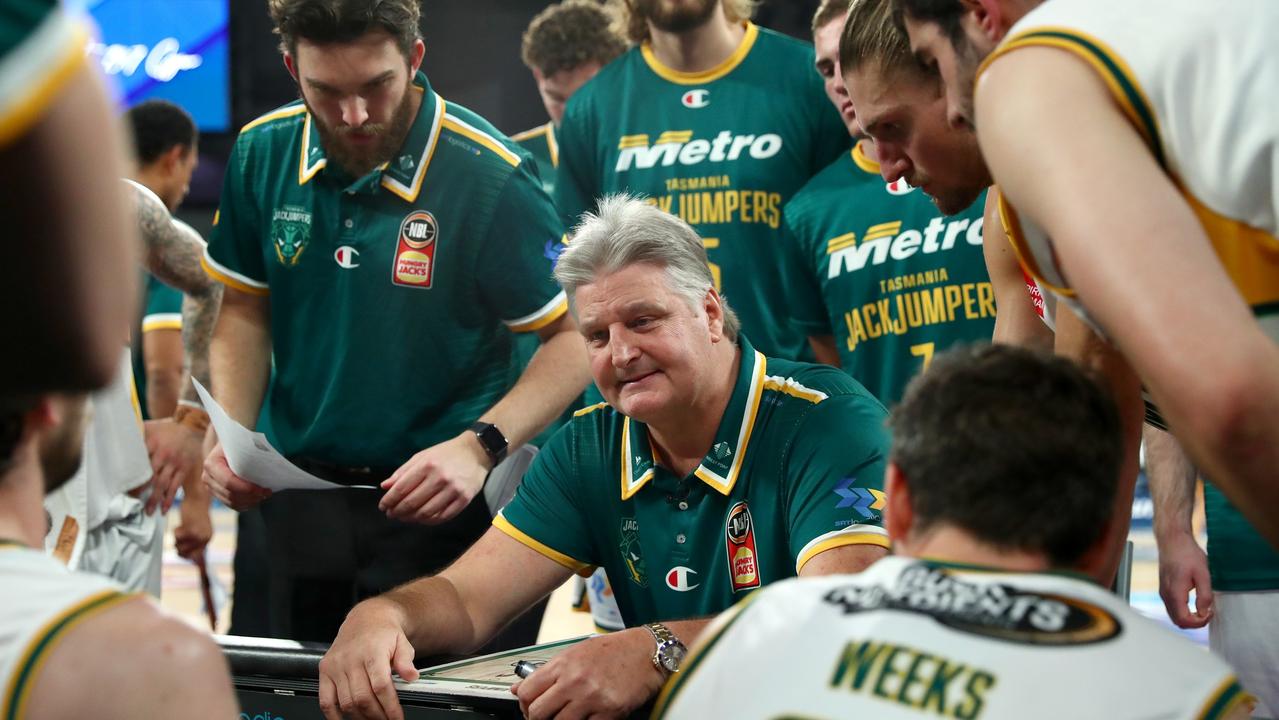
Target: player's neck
149	178
682	443
22	516
867	149
950	544
701	48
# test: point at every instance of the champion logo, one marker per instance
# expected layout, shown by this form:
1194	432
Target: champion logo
679	579
695	99
345	257
899	187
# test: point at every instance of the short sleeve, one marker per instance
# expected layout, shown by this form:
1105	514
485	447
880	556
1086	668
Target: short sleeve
524	240
163	306
544	514
804	299
234	255
576	182
835	476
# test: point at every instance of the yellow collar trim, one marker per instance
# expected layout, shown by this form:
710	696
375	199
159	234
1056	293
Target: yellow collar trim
863	162
409	194
703	76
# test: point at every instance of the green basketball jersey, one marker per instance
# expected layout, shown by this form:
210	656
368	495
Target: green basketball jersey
796	469
540	143
887	274
1239	559
40	49
161	310
392	296
723	149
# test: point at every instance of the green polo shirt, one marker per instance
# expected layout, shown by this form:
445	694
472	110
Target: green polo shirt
540	143
392	296
796	469
162	310
41	47
723	149
885	272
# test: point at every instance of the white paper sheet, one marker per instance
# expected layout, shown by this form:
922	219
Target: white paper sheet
252	457
488	676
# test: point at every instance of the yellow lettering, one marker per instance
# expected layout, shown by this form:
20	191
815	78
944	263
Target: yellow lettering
970	301
856	329
986	297
716	277
934	306
872	327
954	298
731	202
978	684
859	659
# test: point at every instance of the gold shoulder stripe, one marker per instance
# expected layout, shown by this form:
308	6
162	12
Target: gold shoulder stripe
531	133
482	138
67	58
501	523
274	115
37	650
788	386
590	409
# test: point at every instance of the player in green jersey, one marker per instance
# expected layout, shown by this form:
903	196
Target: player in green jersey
715	120
381	244
65	216
715	471
883	280
157	361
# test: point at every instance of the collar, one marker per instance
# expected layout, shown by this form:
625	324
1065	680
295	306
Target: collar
702	76
723	464
403	174
863	162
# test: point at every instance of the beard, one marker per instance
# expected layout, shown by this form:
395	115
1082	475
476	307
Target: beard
62	450
676	16
359	159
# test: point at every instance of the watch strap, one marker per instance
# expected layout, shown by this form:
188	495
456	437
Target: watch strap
491	439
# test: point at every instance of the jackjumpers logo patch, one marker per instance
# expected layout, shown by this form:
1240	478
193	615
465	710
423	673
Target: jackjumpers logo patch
290	232
739	544
632	556
414	263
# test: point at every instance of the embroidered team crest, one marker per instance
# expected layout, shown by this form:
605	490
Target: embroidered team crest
739	544
290	232
632	556
414	262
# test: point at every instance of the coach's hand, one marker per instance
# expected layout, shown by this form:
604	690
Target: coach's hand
604	677
1182	566
437	483
174	451
234	491
355	674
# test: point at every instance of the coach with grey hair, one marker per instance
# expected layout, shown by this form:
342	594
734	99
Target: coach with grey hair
711	470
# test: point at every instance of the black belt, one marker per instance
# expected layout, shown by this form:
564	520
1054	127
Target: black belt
344	474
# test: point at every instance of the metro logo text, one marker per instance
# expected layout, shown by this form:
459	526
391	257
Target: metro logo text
888	240
678	146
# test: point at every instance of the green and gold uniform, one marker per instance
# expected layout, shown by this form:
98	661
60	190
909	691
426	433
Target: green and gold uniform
796	469
1239	559
389	292
886	273
392	300
724	149
162	310
540	143
41	47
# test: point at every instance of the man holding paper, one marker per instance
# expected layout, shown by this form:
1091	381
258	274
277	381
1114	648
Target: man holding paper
711	471
381	244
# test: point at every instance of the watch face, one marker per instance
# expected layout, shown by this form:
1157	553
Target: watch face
673	656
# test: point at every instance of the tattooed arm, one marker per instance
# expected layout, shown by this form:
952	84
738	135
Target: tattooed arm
172	252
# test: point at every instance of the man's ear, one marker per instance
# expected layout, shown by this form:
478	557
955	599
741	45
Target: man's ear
292	66
416	55
713	306
899	518
989	16
174	156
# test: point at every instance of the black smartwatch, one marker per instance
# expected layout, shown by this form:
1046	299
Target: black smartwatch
492	440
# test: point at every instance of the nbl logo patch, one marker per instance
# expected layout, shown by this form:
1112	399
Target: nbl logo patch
739	544
414	264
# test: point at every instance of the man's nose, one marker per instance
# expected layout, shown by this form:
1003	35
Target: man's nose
355	111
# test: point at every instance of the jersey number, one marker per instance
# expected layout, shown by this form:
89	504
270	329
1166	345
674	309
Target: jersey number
924	350
711	244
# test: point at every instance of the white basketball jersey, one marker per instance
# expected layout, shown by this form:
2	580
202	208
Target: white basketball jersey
909	639
115	461
41	601
1200	83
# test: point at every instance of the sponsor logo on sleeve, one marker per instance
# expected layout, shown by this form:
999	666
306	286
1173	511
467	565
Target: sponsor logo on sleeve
414	263
864	501
739	544
290	233
632	554
680	579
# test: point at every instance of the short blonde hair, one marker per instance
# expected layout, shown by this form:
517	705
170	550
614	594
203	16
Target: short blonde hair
635	27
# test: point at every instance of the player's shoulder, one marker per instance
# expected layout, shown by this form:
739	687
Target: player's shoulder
532	135
465	132
815	384
284	120
598	94
842	178
786	58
